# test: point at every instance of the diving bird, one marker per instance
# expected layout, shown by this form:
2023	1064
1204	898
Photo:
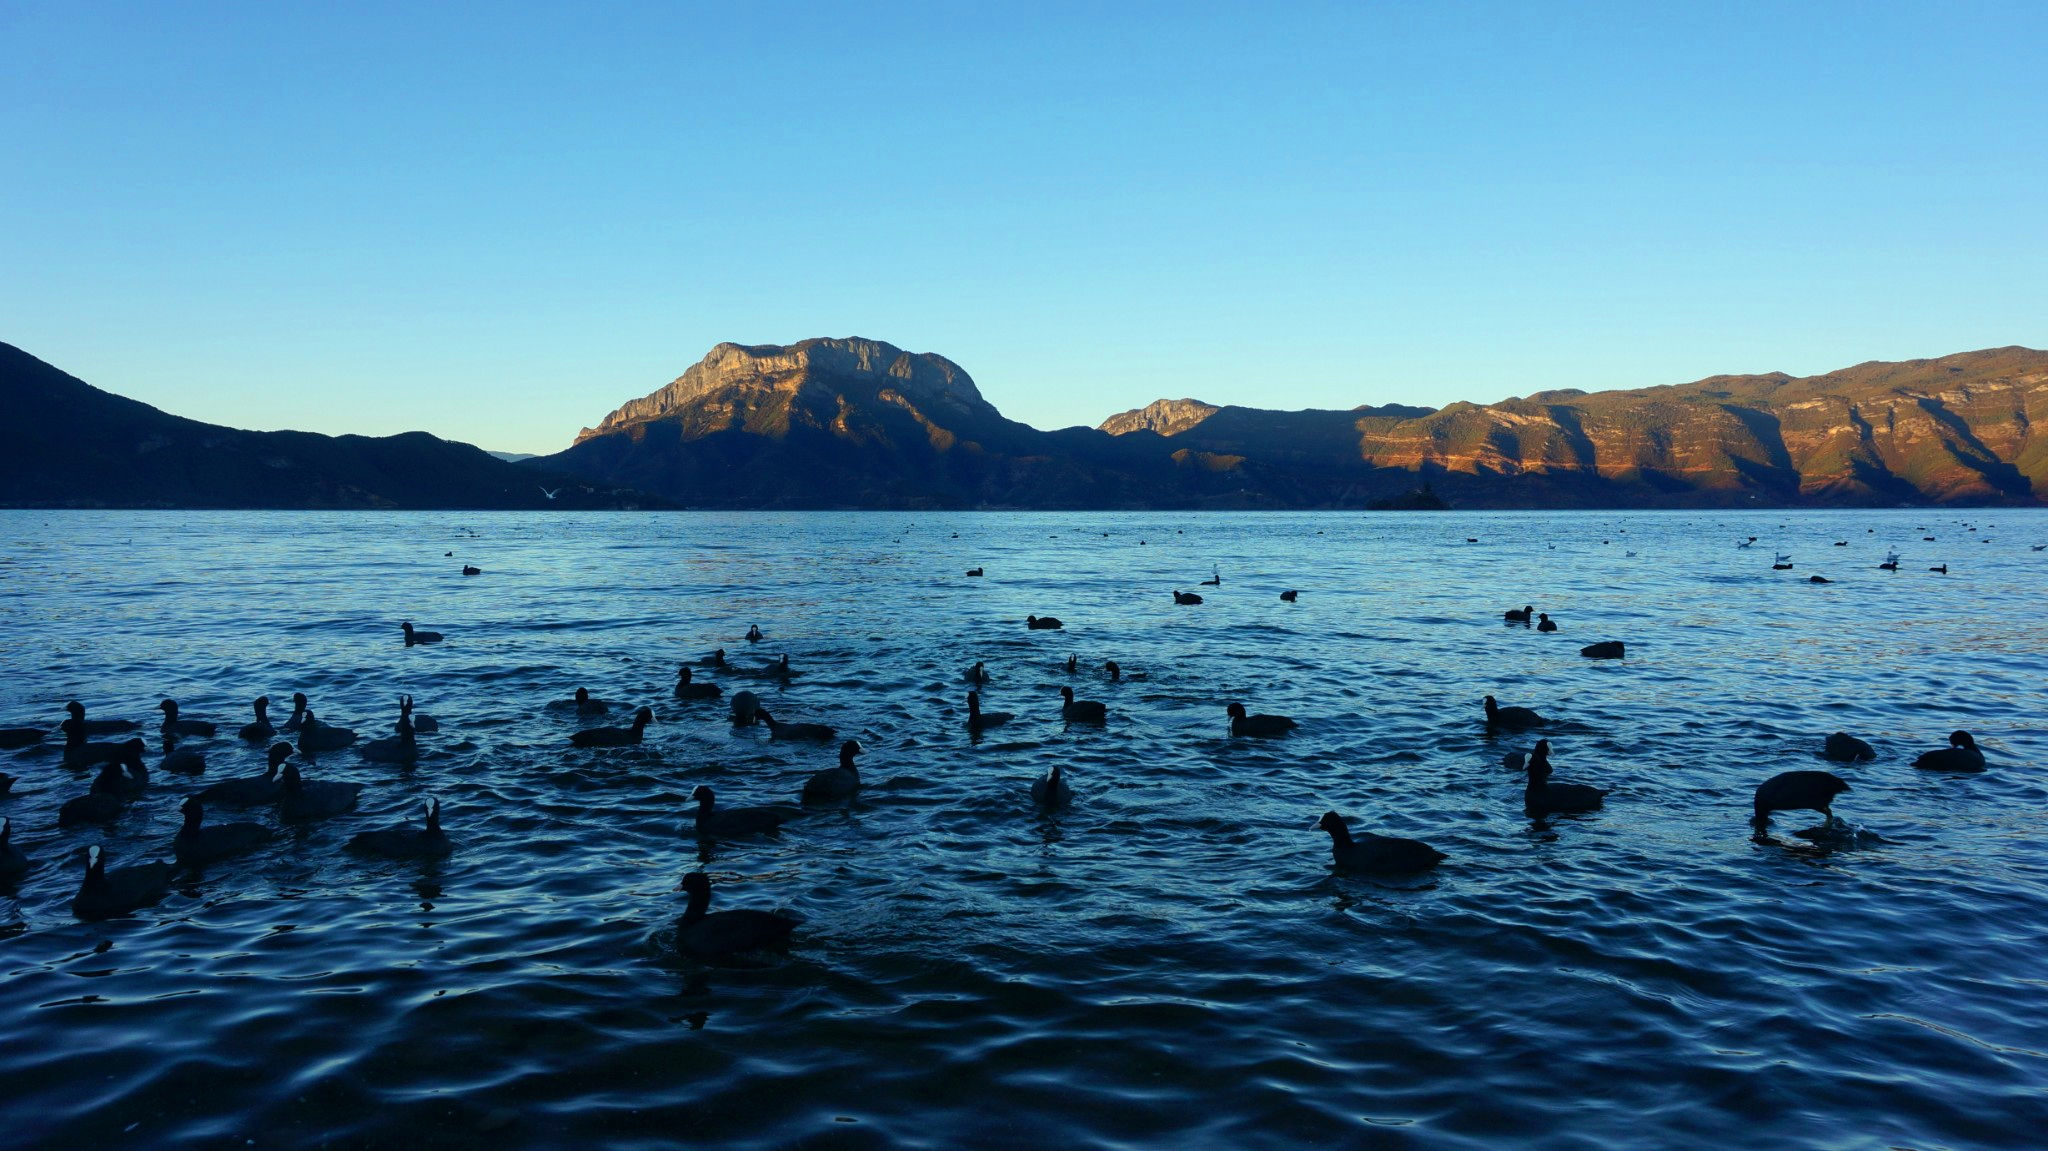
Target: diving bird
1051	789
1242	724
978	719
1846	748
174	726
261	730
615	736
723	936
1542	797
404	841
1797	791
106	894
1376	854
198	843
835	783
413	636
687	689
1081	710
714	822
1498	716
1961	754
1043	623
814	732
306	799
253	790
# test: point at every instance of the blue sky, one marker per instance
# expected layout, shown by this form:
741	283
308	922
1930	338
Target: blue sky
496	221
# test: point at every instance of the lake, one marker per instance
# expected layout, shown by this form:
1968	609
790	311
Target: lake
1170	960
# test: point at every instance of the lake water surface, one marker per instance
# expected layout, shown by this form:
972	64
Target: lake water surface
1169	962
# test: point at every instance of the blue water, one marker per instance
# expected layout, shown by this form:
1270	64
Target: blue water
1170	962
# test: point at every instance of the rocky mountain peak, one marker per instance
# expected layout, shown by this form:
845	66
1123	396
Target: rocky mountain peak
1167	417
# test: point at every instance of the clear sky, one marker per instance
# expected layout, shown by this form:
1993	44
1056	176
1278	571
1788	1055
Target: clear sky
496	221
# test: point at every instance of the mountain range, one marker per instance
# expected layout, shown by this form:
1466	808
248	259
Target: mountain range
856	423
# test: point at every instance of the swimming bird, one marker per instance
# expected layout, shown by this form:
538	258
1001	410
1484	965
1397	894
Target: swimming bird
405	841
1043	623
714	822
615	736
261	730
1498	716
1051	789
1185	597
420	722
315	736
1522	616
723	936
252	790
1541	797
400	748
106	894
1215	577
1797	791
978	719
1073	661
1115	672
779	669
297	719
196	843
1288	596
13	864
12	738
583	703
715	659
1242	724
7	782
977	674
1081	710
78	750
104	803
299	798
685	689
1960	755
182	760
754	633
1940	568
414	636
815	732
1846	748
1545	623
1781	563
1818	579
471	571
1377	854
1891	562
746	709
835	783
974	571
1605	649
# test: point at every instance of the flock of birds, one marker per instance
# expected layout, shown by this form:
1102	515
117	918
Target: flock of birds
122	777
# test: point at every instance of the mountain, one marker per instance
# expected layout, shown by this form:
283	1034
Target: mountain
66	443
860	423
513	457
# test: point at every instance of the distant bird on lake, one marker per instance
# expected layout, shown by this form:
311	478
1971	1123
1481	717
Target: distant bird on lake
405	841
1513	615
814	732
1939	568
1051	790
172	725
726	936
1116	674
714	822
1818	579
687	689
13	738
300	798
1215	577
1242	724
1043	623
1288	596
1961	754
746	709
106	894
1186	597
1845	748
261	730
583	703
103	803
1073	664
297	719
835	783
1605	649
754	633
1081	710
254	790
1797	791
1376	854
1545	623
78	750
400	748
1498	716
196	843
715	659
615	736
1542	797
316	737
978	719
471	571
13	864
414	636
974	571
181	760
977	674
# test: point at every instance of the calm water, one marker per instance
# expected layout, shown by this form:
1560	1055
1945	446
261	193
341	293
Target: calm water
1170	962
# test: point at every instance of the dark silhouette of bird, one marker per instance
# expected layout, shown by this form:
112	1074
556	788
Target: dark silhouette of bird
1498	716
1043	623
106	894
1242	724
173	725
1522	615
1605	649
582	703
1376	854
261	730
1797	791
1051	790
1185	597
1542	797
316	737
814	732
978	719
726	936
197	842
1545	623
181	760
754	633
1288	596
414	636
615	736
687	689
405	841
13	864
1215	577
1845	748
974	571
835	783
250	791
403	747
471	571
300	798
1081	710
103	803
714	822
14	738
977	674
300	709
1961	754
746	709
1939	568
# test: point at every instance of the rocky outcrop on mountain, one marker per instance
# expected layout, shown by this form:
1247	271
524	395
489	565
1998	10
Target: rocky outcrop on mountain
65	443
858	423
